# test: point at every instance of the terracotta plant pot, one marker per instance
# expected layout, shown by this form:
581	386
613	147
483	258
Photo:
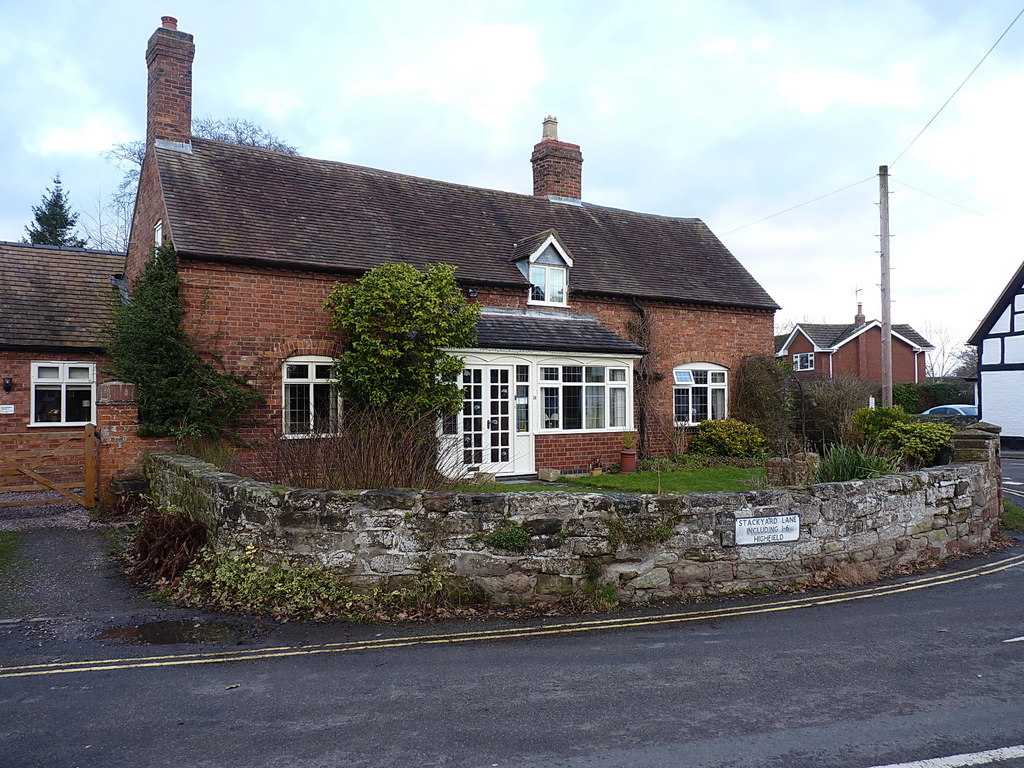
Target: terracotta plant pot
627	460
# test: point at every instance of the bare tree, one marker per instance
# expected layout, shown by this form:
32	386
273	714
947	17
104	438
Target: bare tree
940	359
966	362
111	226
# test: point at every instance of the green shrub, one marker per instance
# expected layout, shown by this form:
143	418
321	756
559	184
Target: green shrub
515	538
729	437
872	422
907	396
840	462
918	443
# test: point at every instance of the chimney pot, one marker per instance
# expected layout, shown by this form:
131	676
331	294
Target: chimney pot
168	22
550	130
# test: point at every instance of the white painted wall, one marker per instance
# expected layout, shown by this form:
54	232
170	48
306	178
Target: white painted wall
1003	400
991	352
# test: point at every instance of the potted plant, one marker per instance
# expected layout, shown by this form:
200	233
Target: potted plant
595	466
627	454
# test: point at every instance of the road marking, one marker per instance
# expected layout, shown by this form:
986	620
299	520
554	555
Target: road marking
565	628
1011	482
1013	493
1015	640
955	761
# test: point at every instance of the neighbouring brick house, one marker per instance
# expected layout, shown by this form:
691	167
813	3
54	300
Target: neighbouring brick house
574	295
55	304
824	350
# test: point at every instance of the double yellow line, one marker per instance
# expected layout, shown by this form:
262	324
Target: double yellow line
563	628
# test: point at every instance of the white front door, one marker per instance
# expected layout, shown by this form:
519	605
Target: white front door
493	438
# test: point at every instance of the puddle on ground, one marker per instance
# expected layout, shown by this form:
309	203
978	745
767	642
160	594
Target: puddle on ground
167	632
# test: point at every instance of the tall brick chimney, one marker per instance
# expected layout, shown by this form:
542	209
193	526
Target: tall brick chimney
169	96
859	319
557	165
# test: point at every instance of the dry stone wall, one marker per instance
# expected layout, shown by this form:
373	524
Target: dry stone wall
643	546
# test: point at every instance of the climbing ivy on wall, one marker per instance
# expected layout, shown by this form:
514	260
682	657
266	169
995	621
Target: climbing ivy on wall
179	393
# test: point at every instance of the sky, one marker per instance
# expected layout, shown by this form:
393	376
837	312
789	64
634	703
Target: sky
729	111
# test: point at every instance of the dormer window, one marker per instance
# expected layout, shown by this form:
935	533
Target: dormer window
547	284
545	262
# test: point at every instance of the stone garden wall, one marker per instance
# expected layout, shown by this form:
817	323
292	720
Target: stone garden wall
643	546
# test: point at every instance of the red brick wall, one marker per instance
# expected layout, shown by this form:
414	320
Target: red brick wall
149	209
121	448
18	365
862	358
577	451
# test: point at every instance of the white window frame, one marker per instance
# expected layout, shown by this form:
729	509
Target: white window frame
548	270
803	361
694	377
334	418
158	233
623	384
65	382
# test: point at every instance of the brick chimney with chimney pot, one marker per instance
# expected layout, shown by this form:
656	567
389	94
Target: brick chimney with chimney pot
557	165
858	319
169	56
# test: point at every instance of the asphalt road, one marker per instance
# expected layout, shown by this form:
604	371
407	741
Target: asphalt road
914	669
872	677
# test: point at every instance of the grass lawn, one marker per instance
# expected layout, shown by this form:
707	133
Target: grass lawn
1013	517
691	480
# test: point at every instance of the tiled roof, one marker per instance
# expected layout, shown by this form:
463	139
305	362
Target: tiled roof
55	297
829	336
234	203
579	333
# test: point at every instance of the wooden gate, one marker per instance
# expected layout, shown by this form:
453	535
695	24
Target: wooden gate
65	462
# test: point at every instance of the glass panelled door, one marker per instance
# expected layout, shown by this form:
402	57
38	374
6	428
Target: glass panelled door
489	438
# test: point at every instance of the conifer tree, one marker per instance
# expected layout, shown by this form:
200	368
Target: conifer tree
54	220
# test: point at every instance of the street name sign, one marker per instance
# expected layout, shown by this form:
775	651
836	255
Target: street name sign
767	530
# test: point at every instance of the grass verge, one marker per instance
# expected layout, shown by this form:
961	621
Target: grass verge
8	548
1013	517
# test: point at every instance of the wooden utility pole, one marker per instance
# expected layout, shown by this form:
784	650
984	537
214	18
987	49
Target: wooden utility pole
883	210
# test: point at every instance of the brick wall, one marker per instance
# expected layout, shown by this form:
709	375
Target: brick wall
121	448
862	358
18	365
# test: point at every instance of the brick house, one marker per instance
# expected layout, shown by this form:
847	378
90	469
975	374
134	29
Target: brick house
1000	342
56	302
579	301
54	306
823	350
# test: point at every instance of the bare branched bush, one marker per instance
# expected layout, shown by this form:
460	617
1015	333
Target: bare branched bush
373	448
826	407
664	431
760	398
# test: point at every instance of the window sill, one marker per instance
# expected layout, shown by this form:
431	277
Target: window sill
34	424
535	303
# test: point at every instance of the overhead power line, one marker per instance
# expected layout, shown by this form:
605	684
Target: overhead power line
969	74
801	205
944	200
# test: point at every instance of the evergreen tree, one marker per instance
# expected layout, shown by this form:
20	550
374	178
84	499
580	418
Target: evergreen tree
54	220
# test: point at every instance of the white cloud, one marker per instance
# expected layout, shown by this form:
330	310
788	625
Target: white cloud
96	133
